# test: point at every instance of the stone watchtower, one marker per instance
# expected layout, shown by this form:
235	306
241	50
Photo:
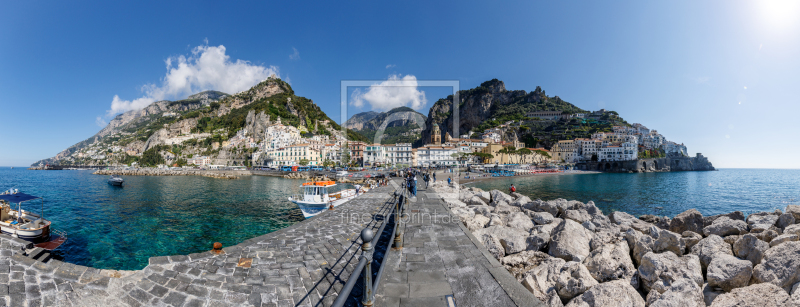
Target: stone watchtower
436	135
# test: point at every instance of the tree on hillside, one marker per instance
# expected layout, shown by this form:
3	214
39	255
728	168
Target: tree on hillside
303	162
524	152
151	157
328	163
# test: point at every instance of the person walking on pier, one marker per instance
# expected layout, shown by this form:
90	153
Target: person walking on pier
426	178
414	185
434	176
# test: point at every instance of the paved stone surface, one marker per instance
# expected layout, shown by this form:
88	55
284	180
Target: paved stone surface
439	259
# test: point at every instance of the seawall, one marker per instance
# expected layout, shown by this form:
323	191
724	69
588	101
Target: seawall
666	164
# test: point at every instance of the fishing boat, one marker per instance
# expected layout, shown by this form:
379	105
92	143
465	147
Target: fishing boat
115	180
27	225
319	196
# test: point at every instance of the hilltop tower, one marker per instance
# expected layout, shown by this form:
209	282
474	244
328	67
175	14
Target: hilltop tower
436	135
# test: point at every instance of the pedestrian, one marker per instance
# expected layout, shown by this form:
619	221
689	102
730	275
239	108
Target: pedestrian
448	180
512	189
434	177
414	183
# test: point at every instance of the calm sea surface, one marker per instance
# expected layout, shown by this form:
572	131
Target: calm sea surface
726	190
120	228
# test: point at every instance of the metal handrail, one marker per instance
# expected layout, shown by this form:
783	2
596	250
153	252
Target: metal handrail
369	240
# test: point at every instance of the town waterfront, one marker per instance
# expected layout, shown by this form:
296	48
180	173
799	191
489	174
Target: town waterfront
668	193
120	228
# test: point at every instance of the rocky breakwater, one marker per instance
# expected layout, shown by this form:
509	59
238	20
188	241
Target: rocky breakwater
165	172
568	253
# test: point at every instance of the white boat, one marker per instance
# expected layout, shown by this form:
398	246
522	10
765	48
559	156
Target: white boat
319	196
115	180
24	224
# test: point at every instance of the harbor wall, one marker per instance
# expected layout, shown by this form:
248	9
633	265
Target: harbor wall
666	164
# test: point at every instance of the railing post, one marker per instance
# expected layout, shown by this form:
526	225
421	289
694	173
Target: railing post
366	248
398	242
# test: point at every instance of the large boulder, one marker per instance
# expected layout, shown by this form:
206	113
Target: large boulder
690	238
519	264
659	271
541	279
644	244
627	220
483	210
710	293
783	239
542	206
573	280
547	228
475	201
611	262
794	210
618	293
579	216
709	247
541	218
751	248
493	245
735	215
570	241
761	222
691	220
462	213
757	295
780	266
476	222
498	196
513	240
660	221
728	272
725	226
792	229
504	208
682	293
784	220
519	220
537	242
666	240
496	220
520	201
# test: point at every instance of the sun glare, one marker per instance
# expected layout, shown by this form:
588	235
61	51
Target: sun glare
779	13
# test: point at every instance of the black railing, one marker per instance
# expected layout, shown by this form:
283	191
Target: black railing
369	241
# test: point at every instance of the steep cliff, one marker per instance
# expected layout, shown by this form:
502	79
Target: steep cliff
399	125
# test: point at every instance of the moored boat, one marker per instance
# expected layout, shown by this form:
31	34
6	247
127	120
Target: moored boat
115	180
25	224
319	196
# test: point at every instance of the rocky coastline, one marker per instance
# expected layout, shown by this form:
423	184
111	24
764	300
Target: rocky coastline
568	253
165	172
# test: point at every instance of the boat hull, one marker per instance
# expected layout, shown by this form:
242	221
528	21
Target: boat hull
35	235
115	183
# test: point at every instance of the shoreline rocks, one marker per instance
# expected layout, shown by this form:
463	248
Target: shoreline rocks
165	172
568	253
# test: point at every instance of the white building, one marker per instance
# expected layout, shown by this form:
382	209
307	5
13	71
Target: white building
399	154
199	160
672	147
375	155
435	155
622	152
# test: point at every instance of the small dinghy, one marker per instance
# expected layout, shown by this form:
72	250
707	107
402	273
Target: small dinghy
115	180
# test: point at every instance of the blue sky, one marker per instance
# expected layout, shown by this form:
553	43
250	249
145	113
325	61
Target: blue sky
719	76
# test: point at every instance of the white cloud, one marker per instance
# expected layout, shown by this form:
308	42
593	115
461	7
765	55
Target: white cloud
100	122
392	93
295	55
206	68
390	66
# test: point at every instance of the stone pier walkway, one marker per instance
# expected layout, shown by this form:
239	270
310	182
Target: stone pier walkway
442	263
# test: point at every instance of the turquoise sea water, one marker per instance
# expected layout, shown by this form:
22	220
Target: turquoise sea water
715	192
120	228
